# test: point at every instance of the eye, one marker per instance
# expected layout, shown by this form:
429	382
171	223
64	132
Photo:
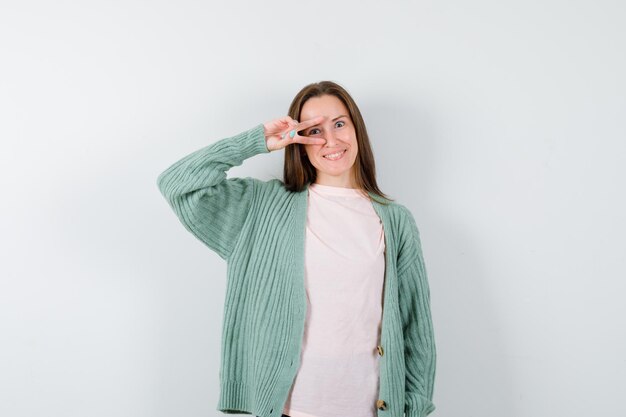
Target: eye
311	132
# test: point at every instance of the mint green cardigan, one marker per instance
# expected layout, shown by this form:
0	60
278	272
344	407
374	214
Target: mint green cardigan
258	228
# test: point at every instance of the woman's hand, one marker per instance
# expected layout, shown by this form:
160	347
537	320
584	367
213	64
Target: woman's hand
275	129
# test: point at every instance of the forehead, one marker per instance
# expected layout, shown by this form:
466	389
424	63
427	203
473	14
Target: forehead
328	106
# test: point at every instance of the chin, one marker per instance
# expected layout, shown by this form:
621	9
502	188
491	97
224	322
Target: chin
335	172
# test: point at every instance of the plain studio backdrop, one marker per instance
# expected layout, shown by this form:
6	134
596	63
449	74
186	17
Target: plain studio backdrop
499	124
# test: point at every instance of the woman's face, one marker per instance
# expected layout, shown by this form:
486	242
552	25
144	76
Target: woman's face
340	135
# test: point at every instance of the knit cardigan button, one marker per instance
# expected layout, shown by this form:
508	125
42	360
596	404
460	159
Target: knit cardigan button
380	404
380	350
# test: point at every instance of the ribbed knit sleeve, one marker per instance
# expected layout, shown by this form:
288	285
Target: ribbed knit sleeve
420	350
210	206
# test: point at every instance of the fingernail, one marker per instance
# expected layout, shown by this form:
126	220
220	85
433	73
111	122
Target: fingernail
292	133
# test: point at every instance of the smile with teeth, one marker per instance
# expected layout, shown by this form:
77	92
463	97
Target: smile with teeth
335	156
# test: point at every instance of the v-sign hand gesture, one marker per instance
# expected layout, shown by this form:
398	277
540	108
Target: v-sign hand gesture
286	126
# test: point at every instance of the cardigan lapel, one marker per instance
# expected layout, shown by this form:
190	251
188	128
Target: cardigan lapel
383	213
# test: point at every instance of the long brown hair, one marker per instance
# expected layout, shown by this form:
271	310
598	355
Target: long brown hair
298	170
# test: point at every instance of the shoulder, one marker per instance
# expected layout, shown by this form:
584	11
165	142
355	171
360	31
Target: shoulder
407	216
404	233
272	187
273	184
408	241
401	221
403	217
271	191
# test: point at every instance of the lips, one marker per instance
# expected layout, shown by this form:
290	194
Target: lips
335	155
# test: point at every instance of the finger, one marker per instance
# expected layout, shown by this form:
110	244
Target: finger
300	126
289	135
287	122
307	140
308	123
290	128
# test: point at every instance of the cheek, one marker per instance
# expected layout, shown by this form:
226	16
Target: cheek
312	150
355	146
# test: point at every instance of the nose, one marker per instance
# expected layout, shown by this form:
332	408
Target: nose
331	140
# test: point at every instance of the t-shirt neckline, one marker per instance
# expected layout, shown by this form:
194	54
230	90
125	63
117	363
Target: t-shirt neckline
334	190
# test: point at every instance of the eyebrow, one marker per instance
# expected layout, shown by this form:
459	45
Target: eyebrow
338	117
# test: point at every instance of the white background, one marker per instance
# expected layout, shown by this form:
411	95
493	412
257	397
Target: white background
500	124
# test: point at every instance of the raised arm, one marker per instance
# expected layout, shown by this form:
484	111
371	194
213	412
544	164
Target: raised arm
210	206
419	338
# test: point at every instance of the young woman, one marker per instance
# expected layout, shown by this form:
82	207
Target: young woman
327	309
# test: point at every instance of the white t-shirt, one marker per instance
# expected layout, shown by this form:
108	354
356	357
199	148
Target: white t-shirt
344	275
